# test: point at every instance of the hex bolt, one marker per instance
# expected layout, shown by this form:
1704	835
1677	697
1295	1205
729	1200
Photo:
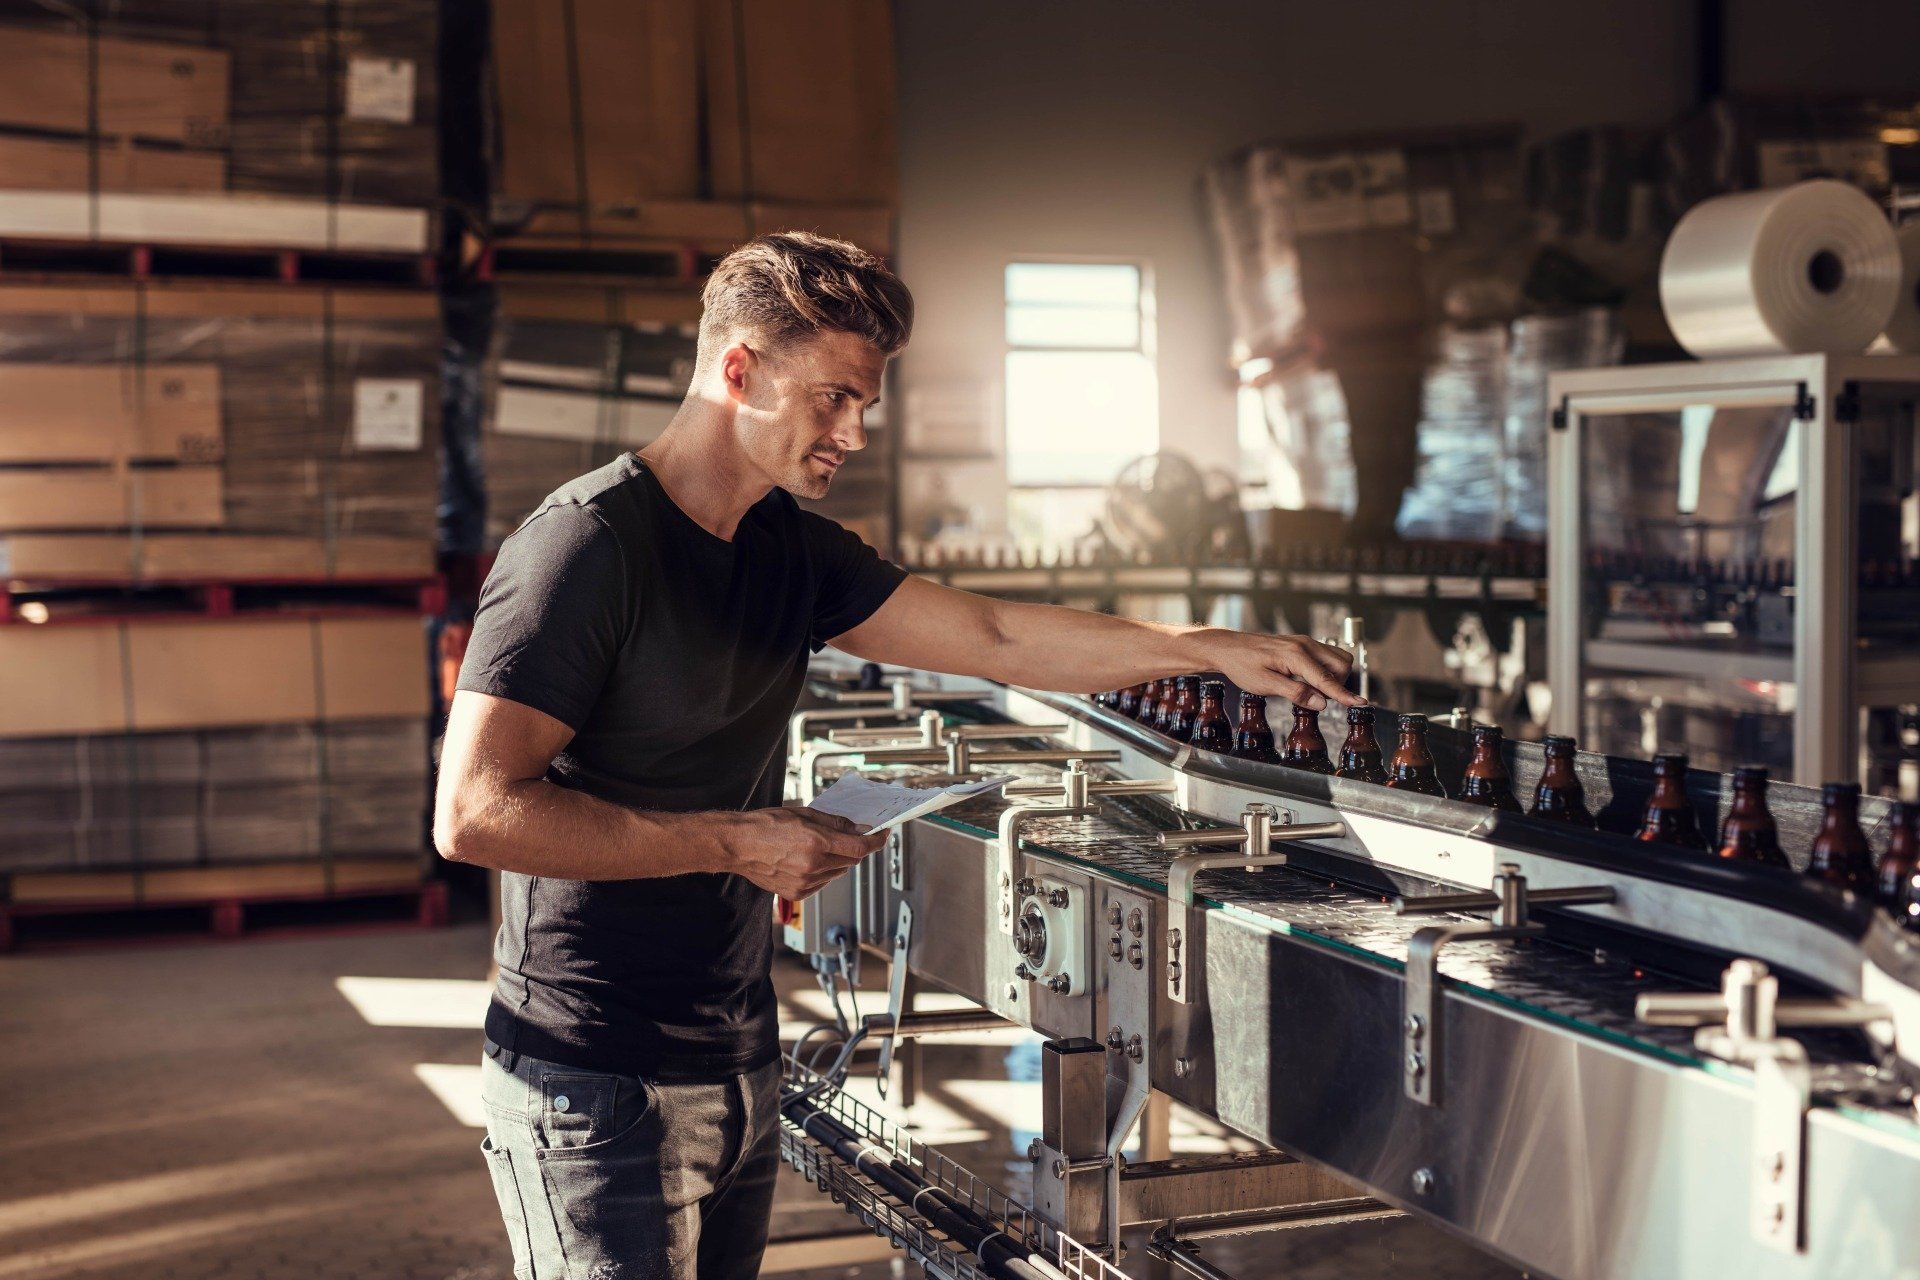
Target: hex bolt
1182	1067
1135	925
1033	1149
1013	993
1135	1050
1113	915
1416	1065
1006	907
1059	1168
1173	937
1173	972
1113	947
1057	898
1114	1040
1059	984
1423	1182
1136	957
1415	1027
1027	887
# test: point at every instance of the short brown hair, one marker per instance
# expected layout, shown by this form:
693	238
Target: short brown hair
794	284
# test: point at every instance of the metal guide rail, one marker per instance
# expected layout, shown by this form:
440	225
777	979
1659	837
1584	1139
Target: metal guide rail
1496	1032
935	1211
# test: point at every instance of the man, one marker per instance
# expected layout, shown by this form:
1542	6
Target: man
616	750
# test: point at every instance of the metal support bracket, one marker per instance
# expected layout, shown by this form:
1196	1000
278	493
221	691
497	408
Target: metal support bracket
1261	827
1510	902
896	989
1740	1023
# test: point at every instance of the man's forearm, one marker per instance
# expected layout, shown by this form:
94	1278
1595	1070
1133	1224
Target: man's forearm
536	828
1044	646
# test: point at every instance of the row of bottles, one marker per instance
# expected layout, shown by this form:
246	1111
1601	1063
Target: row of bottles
1191	710
1445	559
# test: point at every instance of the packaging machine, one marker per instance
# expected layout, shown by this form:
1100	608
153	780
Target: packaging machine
1592	1058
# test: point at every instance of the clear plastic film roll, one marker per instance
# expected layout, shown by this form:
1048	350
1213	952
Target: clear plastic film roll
1903	330
1809	268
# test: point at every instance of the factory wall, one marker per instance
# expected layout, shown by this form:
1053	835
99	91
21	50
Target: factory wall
1079	127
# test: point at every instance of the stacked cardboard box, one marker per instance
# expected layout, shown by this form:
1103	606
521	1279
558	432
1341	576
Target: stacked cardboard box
300	423
350	789
694	121
190	741
1343	256
577	377
273	122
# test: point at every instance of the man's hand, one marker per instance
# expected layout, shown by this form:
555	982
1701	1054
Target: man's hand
1301	670
796	852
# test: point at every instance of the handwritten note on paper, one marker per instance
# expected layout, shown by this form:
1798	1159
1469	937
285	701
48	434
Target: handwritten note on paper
874	806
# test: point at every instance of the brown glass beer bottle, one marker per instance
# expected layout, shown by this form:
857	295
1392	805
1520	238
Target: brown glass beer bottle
1840	853
1212	731
1184	708
1558	796
1252	738
1748	834
1305	747
1486	781
1899	866
1360	753
1153	704
1669	818
1411	768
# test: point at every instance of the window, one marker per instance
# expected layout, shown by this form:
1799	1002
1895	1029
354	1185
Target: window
1082	398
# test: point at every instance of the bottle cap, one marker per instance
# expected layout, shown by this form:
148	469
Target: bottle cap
1833	791
1670	762
1360	715
1410	721
1214	689
1750	775
1560	744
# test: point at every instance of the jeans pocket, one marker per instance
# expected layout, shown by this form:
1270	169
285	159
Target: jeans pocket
513	1210
581	1115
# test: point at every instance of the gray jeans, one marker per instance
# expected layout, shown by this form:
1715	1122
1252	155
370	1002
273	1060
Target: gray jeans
605	1177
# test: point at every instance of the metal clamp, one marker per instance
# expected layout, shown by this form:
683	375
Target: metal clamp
1073	789
1741	1023
1261	827
1510	903
896	990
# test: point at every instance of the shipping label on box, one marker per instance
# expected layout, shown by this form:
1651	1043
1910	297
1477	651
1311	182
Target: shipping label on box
380	89
388	413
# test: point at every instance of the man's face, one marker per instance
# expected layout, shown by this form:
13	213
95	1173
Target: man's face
800	407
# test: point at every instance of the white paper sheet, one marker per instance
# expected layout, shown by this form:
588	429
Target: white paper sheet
874	806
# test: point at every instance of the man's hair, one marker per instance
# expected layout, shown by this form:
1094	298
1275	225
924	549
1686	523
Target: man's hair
793	285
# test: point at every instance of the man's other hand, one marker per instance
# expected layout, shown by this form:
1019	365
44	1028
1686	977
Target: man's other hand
795	852
1294	667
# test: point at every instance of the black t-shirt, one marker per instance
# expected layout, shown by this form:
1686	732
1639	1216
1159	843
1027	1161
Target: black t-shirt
677	658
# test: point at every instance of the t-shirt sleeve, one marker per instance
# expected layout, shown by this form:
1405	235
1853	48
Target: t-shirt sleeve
854	580
552	615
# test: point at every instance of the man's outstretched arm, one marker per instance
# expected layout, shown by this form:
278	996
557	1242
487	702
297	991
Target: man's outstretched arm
936	628
496	808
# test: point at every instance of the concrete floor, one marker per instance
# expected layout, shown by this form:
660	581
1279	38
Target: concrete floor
305	1107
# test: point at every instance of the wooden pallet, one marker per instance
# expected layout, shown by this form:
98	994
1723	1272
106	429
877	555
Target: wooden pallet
224	893
49	258
44	602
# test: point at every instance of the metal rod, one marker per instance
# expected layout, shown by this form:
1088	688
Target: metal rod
935	1023
1052	755
1245	1221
